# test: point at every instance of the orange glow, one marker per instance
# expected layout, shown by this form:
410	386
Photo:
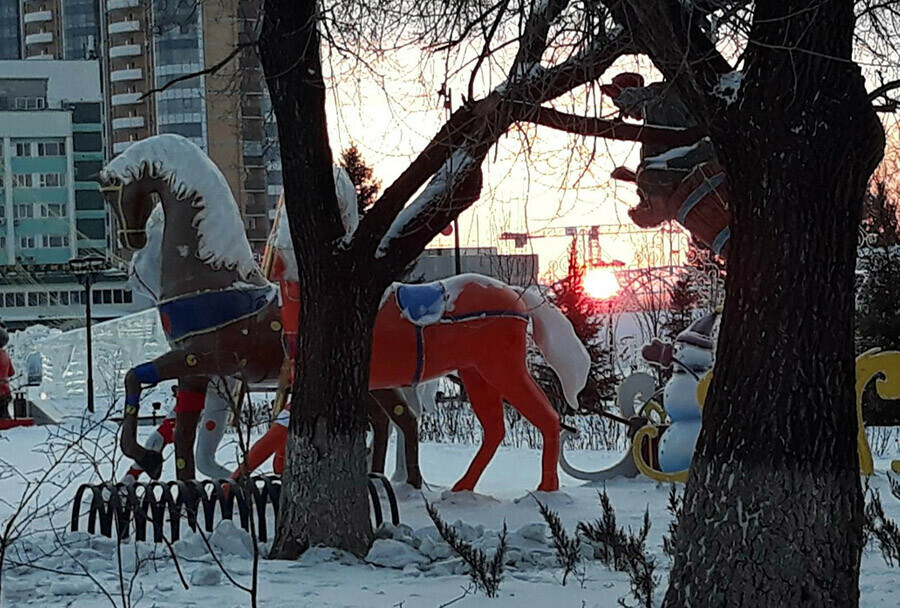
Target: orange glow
601	283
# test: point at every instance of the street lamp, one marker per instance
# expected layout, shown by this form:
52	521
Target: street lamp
86	270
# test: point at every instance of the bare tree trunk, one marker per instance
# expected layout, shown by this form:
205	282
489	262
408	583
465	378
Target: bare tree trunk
773	509
324	498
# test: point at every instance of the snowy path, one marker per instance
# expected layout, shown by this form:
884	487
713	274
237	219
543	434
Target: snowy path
323	579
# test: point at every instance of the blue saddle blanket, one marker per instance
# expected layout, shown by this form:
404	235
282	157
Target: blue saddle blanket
204	312
422	304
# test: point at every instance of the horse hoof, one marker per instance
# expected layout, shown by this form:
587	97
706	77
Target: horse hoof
152	463
548	487
463	487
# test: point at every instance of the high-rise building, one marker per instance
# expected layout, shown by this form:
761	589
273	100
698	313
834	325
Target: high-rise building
148	45
51	128
57	29
51	144
10	31
155	45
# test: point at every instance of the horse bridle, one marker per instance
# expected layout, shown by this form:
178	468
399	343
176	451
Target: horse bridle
123	231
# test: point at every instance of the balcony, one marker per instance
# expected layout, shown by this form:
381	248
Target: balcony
38	17
124	27
39	38
129	122
126	99
126	75
125	50
114	5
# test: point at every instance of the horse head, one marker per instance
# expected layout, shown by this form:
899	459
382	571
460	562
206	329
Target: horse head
131	203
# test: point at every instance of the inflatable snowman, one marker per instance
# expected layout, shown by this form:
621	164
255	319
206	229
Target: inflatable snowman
691	358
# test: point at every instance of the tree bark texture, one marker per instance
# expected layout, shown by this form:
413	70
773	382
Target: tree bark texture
773	507
324	498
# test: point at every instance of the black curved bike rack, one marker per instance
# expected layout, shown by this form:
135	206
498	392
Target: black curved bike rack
134	505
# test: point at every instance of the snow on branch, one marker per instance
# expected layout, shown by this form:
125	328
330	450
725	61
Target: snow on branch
609	129
435	196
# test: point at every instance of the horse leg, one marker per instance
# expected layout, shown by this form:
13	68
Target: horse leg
273	442
189	402
381	425
174	364
212	428
403	415
158	440
488	406
526	396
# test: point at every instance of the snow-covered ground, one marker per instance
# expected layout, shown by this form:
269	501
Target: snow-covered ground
421	574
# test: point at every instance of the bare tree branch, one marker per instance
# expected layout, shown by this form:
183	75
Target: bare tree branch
609	129
476	127
205	72
883	89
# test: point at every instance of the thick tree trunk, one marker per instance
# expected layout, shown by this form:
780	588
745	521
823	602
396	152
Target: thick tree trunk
324	498
773	507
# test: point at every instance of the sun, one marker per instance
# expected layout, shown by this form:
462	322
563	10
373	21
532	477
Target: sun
601	283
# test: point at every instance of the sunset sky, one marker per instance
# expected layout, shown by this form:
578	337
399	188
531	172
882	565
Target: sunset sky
562	181
391	109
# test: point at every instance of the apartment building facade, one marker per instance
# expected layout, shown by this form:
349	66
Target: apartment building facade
147	48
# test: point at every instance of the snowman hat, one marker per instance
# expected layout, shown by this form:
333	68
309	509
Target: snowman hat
699	333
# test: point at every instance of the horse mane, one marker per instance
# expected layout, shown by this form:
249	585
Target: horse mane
145	269
194	178
280	239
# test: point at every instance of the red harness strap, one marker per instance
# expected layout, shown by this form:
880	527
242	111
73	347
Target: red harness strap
189	401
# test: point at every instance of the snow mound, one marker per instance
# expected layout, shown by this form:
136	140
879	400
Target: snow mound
423	550
389	553
206	576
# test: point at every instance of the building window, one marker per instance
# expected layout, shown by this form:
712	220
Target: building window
27	242
64	298
52	180
23	149
92	228
89	199
23	210
32	298
9	300
30	103
2	242
53	210
87	142
54	241
22	180
75	297
51	148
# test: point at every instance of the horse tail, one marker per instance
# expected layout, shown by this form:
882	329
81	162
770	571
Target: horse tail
556	339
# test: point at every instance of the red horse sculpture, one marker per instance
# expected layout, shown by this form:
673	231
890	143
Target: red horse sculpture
230	324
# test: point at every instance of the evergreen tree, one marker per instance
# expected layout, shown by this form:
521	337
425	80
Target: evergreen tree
682	303
360	173
592	327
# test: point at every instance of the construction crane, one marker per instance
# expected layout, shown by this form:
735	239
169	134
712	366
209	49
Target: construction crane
589	237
